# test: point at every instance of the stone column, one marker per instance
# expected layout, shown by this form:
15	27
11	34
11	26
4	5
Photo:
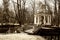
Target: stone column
48	19
38	19
44	20
34	19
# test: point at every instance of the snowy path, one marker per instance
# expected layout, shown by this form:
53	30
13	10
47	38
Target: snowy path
21	36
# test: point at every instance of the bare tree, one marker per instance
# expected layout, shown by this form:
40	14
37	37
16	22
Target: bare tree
1	15
19	12
33	9
58	12
20	15
55	13
6	9
23	12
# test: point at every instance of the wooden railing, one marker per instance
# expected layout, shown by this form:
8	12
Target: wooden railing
56	37
49	34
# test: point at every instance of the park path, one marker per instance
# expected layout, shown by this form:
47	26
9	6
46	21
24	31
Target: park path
20	36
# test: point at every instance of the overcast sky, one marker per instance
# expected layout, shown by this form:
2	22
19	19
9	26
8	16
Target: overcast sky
27	4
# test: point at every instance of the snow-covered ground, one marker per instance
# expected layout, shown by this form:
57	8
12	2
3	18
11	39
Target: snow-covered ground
20	36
